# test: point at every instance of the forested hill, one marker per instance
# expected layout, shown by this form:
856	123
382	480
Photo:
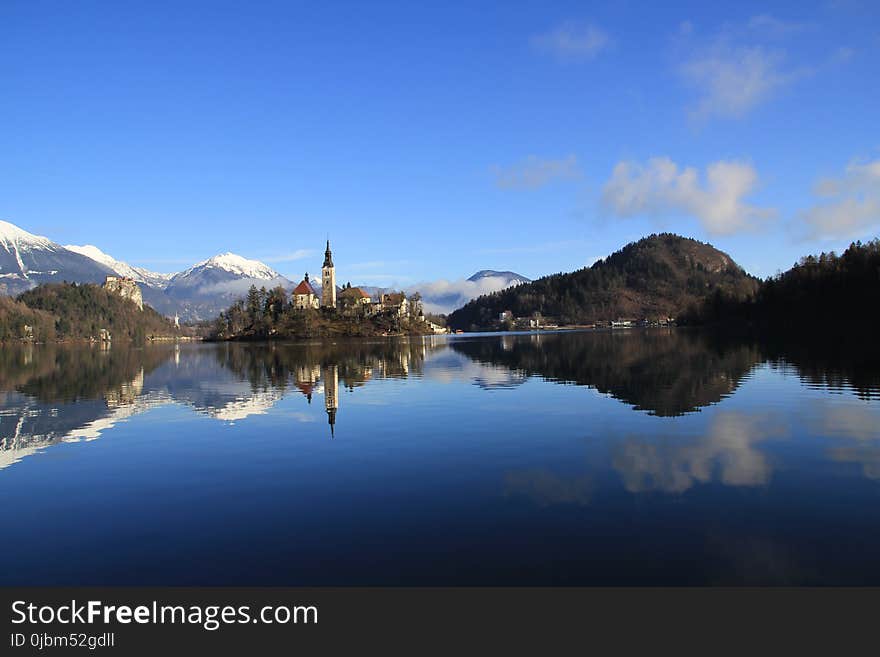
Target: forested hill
825	292
658	276
67	311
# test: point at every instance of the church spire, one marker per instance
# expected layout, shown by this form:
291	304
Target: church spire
331	420
328	257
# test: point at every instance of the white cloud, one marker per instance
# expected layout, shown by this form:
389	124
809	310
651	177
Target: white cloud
238	286
739	67
572	40
444	296
535	172
850	204
731	79
661	187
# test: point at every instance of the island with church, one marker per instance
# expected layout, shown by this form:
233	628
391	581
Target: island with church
327	311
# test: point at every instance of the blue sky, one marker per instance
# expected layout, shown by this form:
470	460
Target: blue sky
429	140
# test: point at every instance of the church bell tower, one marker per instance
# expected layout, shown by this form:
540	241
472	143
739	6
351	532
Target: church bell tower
328	280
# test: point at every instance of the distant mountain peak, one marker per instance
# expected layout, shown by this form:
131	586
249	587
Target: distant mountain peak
236	264
510	276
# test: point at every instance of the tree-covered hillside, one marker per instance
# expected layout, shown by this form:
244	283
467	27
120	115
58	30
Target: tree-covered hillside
824	291
67	311
658	276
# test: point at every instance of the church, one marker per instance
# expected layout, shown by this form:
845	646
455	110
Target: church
305	295
347	299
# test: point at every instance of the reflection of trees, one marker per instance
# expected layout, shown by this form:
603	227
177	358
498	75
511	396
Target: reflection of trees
831	363
279	365
668	372
60	372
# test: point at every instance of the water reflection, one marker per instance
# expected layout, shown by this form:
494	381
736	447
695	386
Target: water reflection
638	457
664	372
729	451
50	394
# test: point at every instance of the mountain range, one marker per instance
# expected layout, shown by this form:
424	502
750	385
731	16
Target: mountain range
197	293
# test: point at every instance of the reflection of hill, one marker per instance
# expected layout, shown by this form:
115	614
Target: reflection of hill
56	372
665	372
54	393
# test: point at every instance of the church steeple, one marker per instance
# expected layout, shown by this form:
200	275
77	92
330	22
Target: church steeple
328	280
331	420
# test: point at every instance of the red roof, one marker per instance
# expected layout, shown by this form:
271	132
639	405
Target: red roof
303	288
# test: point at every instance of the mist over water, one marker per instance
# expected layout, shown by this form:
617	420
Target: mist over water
625	457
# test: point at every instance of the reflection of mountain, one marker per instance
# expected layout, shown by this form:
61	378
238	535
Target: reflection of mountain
28	425
55	393
664	372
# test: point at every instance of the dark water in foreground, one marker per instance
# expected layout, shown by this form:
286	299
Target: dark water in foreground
655	457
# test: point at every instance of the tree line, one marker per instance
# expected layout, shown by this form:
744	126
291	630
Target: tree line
264	314
821	292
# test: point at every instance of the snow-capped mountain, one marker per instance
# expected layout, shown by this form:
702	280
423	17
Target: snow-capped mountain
212	285
230	263
26	260
200	292
508	277
139	274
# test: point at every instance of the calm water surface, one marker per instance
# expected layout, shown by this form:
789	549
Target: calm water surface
630	457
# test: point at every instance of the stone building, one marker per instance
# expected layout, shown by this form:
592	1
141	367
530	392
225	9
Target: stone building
126	288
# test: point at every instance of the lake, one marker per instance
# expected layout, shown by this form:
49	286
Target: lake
657	456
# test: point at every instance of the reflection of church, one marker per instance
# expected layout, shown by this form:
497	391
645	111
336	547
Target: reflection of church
319	371
307	378
330	375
